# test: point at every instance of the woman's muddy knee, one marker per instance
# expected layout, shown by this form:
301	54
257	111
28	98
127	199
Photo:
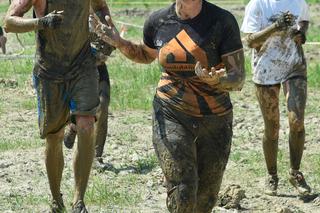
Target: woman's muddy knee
182	198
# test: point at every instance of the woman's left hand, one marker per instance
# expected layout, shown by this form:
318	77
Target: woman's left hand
211	77
107	32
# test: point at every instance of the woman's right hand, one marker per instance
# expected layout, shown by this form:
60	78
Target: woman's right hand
107	32
211	77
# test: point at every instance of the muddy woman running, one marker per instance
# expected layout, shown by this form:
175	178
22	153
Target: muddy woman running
200	52
276	30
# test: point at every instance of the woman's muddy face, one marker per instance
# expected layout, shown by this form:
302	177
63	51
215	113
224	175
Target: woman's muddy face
183	6
187	3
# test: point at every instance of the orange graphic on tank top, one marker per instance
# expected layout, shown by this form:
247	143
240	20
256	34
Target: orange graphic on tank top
174	55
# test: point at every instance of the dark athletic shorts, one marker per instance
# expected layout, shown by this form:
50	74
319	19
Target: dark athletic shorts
56	101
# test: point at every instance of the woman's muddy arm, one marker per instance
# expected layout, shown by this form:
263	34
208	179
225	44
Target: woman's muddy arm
234	78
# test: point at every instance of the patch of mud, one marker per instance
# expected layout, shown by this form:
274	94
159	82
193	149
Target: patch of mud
12	83
231	196
290	209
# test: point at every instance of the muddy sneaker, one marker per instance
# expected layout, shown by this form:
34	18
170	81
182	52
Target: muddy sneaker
79	207
297	180
102	166
99	164
57	207
317	201
69	137
271	185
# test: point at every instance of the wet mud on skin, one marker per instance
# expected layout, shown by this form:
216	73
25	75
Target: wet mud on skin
295	92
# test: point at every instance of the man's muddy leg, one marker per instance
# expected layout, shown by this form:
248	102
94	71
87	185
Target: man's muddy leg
3	41
213	149
84	154
54	163
268	98
101	126
296	95
176	153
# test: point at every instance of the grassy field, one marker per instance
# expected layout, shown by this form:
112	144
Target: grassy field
129	147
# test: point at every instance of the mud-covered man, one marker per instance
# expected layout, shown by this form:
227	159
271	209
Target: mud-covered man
276	30
200	52
101	50
3	41
66	81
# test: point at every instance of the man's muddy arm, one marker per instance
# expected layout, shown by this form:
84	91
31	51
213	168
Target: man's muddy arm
14	22
235	72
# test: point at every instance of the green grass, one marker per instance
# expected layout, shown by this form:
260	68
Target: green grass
19	70
3	9
29	104
134	120
143	165
314	75
17	202
19	143
105	192
133	85
128	136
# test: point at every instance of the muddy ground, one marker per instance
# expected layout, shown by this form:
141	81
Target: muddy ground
22	171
